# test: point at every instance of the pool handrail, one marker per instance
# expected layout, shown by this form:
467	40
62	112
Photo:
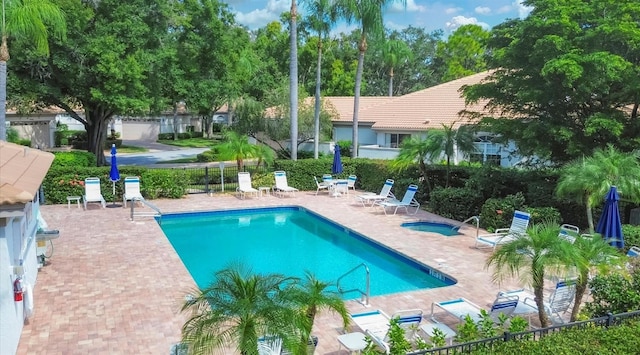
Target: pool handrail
367	292
144	214
475	218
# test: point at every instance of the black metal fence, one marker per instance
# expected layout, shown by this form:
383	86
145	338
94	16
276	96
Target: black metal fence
535	334
212	179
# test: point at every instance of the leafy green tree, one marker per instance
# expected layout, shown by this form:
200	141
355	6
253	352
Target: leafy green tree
564	77
35	20
235	310
590	253
236	147
587	180
417	149
368	13
463	52
530	256
322	18
394	53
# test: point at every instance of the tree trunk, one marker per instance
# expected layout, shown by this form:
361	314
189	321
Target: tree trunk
590	218
581	287
316	113
391	82
96	125
356	97
539	293
175	121
4	58
293	81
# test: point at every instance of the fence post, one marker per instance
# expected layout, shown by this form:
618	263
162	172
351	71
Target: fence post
222	175
507	336
609	319
206	180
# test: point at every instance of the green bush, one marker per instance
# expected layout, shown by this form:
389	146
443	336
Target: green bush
455	203
159	183
631	236
545	214
345	148
74	159
498	212
208	156
614	293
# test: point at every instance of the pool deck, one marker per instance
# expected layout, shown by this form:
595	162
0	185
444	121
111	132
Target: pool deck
115	286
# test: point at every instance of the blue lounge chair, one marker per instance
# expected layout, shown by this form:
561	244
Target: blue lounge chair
461	308
371	198
518	227
407	201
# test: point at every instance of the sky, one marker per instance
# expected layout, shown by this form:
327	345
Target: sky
431	15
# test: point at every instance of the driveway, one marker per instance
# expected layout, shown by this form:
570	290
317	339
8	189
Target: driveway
157	152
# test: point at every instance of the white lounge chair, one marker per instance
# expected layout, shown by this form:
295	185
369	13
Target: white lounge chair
282	186
519	226
244	185
321	185
376	324
634	252
92	192
461	308
569	233
371	198
558	302
269	346
340	188
407	201
351	182
131	190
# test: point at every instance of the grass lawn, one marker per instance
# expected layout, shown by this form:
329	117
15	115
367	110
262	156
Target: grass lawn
179	161
191	142
127	149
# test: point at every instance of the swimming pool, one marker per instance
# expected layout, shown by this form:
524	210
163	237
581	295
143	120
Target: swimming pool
291	240
433	227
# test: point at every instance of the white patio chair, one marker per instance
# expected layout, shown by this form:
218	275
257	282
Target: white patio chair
282	186
244	185
131	190
321	185
407	201
371	198
519	226
92	192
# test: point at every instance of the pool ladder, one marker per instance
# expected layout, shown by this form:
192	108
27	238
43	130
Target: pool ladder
155	208
472	218
364	295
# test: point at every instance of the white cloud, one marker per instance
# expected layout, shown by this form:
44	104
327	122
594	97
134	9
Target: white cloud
504	9
483	10
411	7
261	17
395	26
523	11
452	10
342	28
458	21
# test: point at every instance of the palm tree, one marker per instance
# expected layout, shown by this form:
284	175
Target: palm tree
590	253
293	80
452	141
321	19
588	180
529	256
313	296
369	14
416	149
264	154
34	19
236	309
394	52
236	147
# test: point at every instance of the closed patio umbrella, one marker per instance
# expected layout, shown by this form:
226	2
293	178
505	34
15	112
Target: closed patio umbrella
114	174
609	225
336	168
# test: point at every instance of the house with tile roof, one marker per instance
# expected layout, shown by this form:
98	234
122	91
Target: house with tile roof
22	171
383	122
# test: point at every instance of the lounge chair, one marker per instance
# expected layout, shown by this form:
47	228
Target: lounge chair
518	227
131	190
558	302
569	233
371	198
321	185
92	192
244	185
282	186
461	308
634	252
428	330
351	182
269	346
376	324
407	201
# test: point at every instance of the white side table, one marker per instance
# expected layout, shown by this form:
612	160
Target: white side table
264	190
73	198
354	342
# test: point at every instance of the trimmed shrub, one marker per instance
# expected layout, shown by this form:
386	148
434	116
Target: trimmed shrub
631	236
74	159
498	212
208	156
545	214
614	293
455	203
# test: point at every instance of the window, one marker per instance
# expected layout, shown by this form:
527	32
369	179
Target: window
395	139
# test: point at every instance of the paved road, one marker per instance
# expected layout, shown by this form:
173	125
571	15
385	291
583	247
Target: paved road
157	152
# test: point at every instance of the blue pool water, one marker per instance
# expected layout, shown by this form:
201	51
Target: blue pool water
433	227
290	241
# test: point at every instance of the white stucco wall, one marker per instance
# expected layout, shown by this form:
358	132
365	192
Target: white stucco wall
17	248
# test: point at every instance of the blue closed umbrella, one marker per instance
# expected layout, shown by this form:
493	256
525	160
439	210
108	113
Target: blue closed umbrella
114	174
609	225
336	168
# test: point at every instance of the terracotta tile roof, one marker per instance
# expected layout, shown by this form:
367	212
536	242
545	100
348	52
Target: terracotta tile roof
418	111
22	170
